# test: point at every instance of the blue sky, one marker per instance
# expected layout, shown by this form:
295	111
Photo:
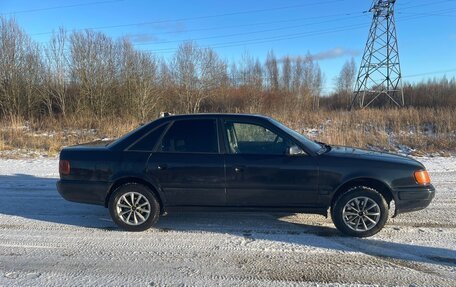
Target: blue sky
332	30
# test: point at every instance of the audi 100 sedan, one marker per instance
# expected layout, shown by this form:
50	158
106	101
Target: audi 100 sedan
222	162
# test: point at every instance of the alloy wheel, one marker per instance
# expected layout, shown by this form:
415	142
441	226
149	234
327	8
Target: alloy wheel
361	214
133	208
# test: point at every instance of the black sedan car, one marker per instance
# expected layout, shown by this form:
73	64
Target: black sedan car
224	162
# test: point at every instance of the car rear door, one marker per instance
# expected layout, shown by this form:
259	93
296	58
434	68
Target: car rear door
259	173
188	165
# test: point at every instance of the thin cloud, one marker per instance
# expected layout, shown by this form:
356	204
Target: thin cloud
328	54
142	38
335	53
169	27
163	28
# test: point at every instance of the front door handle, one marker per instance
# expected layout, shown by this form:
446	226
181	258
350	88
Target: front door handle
162	167
239	169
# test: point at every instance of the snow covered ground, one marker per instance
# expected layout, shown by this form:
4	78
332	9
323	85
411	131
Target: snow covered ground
45	240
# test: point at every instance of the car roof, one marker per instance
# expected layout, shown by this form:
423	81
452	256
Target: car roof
216	115
127	139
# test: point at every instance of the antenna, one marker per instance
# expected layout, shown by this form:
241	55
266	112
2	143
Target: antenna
379	76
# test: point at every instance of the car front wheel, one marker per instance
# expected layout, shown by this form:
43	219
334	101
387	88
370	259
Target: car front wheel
133	207
360	212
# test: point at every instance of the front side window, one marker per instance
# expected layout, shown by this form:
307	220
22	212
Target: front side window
189	136
246	138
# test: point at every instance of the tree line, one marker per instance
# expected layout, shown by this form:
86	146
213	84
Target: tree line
87	73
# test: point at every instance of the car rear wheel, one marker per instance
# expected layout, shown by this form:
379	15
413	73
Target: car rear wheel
133	207
360	212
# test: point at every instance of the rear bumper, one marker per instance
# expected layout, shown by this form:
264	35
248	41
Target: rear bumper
92	192
415	198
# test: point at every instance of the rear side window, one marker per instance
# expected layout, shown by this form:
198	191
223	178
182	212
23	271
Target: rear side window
148	142
191	136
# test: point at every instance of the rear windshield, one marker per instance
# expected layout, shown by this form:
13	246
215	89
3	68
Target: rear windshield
125	136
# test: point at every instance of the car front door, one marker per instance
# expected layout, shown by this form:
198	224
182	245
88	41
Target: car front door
188	166
260	172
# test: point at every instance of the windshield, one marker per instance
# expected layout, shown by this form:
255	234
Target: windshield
313	146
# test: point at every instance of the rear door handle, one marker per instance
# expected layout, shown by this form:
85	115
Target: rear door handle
162	167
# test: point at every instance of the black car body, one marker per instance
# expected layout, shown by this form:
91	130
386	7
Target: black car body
241	162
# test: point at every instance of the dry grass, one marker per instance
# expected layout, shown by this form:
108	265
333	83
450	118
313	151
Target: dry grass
48	136
422	130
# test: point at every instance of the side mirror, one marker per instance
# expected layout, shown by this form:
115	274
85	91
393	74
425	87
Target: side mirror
295	150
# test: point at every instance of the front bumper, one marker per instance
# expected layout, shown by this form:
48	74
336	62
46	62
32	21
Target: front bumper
413	198
92	192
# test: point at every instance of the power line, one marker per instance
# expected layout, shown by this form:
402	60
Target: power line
268	39
201	17
60	7
279	38
272	39
326	88
246	33
342	16
282	37
258	23
430	14
425	4
229	35
430	73
440	12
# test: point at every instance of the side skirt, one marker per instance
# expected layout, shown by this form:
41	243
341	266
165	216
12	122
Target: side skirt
310	210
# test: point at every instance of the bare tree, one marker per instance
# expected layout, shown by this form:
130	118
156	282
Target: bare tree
272	71
250	75
139	72
11	38
235	80
245	69
57	73
312	82
197	73
298	74
166	86
258	75
346	80
32	80
93	76
251	72
317	86
94	67
286	73
20	68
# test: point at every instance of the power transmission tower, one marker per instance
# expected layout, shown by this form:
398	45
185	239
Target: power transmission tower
379	75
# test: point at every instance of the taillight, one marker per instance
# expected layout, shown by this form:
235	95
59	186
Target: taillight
64	167
422	177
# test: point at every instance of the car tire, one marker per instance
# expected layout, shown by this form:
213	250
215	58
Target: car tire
134	207
360	212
